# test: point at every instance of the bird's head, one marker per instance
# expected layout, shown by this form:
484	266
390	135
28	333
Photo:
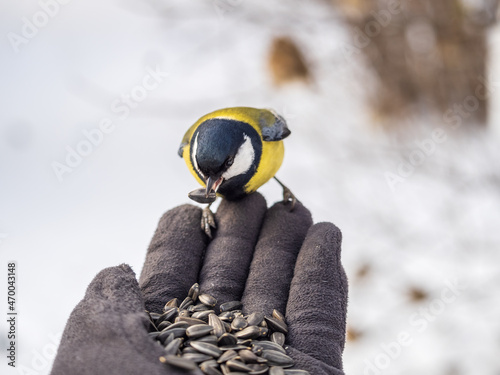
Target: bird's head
224	149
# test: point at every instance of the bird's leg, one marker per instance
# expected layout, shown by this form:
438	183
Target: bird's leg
287	195
207	221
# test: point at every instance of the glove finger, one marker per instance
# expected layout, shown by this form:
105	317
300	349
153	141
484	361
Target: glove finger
271	270
106	332
228	256
174	257
317	304
314	366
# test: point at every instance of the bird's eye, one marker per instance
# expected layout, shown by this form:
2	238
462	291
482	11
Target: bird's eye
229	161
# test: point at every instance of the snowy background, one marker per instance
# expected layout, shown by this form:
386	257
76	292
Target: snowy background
421	256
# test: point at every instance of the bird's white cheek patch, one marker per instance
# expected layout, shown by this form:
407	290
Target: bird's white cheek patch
193	155
242	161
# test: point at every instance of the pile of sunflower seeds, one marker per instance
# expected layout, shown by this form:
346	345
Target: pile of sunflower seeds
225	343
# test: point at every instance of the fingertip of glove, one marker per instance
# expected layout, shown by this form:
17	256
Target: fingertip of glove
253	200
112	278
117	272
326	232
299	211
250	209
185	212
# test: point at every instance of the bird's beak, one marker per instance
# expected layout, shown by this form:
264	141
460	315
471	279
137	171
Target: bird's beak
213	184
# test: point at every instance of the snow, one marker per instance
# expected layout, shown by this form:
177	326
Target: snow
438	227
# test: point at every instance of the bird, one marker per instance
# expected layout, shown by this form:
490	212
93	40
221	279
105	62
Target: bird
232	152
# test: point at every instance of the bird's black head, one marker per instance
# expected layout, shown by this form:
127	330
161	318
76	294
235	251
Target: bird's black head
217	145
225	153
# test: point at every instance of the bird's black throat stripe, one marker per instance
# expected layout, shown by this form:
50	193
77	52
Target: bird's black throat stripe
219	135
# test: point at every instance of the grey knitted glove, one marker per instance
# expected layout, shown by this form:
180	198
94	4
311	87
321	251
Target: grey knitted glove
267	258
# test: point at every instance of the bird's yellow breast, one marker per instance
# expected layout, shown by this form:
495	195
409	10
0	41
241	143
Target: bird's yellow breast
270	162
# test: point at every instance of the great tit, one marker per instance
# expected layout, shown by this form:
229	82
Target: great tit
232	152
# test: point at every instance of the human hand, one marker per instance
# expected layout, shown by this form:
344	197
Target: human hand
265	258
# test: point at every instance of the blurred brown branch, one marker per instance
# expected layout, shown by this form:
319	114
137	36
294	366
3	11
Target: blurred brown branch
426	54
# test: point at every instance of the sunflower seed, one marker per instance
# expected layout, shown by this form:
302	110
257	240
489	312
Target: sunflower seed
154	316
276	370
227	326
153	334
227	316
228	306
278	315
198	330
189	320
189	349
181	363
172	303
215	322
238	323
177	332
268	345
245	342
233	347
202	315
248	356
210	339
206	348
178	324
275	358
264	331
194	292
173	347
227	339
278	338
207	300
166	316
258	369
251	332
210	362
168	340
225	369
276	324
227	355
296	372
210	369
255	319
163	325
188	301
199	307
236	365
197	357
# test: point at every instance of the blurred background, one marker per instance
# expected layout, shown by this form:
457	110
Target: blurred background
394	112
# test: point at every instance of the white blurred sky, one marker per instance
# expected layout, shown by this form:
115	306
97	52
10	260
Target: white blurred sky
439	224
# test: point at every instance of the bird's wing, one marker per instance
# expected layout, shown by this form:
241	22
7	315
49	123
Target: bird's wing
273	126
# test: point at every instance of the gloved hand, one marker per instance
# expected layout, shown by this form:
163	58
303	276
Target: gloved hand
265	258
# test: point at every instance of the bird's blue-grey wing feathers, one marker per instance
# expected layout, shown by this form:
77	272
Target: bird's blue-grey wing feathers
274	131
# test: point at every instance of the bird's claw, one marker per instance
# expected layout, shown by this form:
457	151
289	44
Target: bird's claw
289	197
207	221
